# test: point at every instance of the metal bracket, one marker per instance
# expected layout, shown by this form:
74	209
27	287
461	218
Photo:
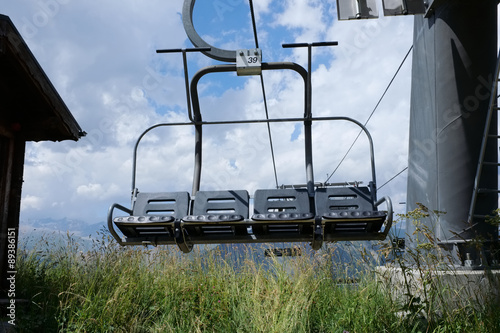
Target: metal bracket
318	234
181	238
249	62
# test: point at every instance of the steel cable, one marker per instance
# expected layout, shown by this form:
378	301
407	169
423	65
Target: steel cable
371	114
264	96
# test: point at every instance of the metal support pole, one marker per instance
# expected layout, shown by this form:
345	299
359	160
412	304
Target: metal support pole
308	112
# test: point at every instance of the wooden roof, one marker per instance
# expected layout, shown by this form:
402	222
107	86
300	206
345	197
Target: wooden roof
29	104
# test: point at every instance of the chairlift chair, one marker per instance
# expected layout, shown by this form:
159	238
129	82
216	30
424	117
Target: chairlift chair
310	212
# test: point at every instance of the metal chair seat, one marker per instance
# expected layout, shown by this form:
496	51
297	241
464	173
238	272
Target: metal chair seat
282	212
214	218
349	215
137	226
348	209
152	217
217	212
283	216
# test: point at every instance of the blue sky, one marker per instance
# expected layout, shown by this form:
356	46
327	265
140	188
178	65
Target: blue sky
101	58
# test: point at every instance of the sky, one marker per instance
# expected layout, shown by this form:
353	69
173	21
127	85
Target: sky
101	58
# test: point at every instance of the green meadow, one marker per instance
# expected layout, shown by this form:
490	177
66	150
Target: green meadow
110	288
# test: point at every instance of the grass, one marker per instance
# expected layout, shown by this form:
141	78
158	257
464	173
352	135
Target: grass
135	289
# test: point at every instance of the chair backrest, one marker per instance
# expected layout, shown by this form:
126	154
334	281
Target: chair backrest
175	204
221	202
281	200
343	199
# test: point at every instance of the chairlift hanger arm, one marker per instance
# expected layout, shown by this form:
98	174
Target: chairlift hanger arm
197	112
308	113
195	38
232	68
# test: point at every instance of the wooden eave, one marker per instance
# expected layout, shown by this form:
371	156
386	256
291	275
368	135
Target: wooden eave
30	106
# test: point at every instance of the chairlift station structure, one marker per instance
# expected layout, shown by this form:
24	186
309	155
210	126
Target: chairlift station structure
452	152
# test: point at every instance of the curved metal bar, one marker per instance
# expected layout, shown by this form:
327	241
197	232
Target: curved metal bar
232	68
280	120
388	202
370	140
111	228
134	158
256	121
214	52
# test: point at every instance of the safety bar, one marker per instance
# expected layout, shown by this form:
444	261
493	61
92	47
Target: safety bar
257	121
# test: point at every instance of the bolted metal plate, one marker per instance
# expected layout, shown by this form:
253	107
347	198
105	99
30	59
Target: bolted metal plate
249	62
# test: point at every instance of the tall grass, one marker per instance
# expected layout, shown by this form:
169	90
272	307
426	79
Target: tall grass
136	289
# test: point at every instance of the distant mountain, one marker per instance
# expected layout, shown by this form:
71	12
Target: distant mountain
75	227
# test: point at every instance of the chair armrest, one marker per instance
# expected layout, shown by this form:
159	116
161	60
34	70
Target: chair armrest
388	221
111	227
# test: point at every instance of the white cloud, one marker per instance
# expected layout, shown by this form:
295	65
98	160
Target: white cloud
89	189
31	202
306	15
